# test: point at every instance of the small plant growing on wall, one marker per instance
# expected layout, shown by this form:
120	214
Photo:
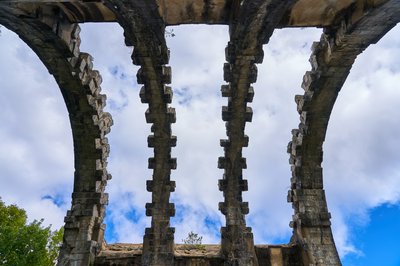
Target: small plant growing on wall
193	241
169	33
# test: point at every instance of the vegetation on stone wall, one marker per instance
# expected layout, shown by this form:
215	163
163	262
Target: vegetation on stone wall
23	243
193	241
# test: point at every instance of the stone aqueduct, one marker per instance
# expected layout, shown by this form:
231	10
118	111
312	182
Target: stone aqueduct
51	29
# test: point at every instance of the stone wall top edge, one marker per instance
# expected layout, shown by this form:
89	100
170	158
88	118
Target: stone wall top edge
305	13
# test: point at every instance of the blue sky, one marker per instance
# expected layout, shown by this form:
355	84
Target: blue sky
378	240
361	165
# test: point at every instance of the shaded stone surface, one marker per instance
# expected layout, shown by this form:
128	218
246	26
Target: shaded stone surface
50	28
204	255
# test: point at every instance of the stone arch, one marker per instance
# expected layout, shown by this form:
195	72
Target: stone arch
56	42
331	60
252	24
144	29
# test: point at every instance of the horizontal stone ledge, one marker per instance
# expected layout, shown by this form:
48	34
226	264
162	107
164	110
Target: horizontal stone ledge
154	209
163	73
166	92
166	230
170	185
227	92
152	140
242	208
89	195
224	163
223	184
162	56
152	117
84	212
229	73
305	179
225	230
225	143
157	126
303	192
228	114
168	163
318	220
184	254
232	52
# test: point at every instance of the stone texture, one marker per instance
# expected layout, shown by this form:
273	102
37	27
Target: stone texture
206	255
49	28
331	61
305	13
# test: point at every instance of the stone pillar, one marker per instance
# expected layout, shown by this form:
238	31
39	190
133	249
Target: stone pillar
158	243
237	240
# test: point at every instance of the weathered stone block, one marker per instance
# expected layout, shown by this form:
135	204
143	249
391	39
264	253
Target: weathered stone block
250	94
228	77
226	114
226	91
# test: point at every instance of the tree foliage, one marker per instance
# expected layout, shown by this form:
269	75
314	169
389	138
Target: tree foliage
23	243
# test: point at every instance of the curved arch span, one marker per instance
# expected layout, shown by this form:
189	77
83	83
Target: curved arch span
80	87
331	60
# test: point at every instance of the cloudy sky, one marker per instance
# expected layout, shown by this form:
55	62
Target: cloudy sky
361	152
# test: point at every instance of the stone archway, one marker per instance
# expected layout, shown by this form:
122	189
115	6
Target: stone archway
331	62
349	28
80	87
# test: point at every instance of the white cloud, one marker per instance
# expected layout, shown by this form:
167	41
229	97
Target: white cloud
36	158
361	168
361	150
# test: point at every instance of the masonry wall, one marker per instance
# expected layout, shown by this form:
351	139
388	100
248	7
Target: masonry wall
205	255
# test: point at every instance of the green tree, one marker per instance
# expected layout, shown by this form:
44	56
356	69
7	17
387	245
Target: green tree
23	243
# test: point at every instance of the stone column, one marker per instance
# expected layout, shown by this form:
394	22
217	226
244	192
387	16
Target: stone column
237	239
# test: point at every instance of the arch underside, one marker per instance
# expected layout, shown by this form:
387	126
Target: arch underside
304	13
56	42
331	61
54	37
